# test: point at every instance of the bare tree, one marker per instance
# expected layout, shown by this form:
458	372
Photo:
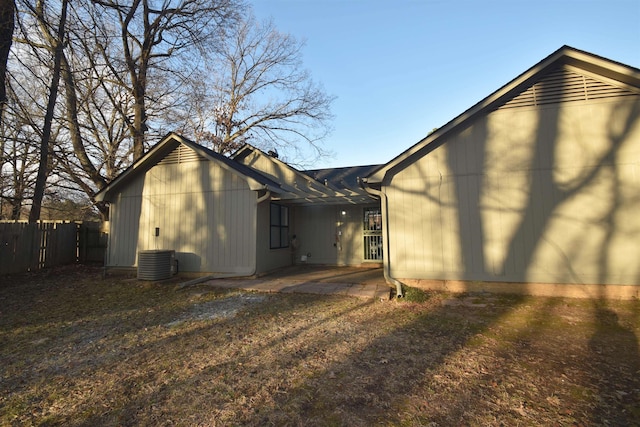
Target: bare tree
109	95
56	43
7	13
111	90
154	32
31	124
257	91
122	71
19	171
22	128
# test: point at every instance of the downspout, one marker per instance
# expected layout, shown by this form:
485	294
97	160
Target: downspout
386	257
264	197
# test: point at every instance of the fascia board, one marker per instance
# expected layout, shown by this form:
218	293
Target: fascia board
314	186
147	161
156	154
568	55
254	184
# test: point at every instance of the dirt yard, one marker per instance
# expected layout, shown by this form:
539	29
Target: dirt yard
79	350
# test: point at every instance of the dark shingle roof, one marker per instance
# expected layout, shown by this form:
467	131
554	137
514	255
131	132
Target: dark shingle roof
342	178
241	168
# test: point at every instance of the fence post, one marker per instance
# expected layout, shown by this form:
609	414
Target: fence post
29	247
84	237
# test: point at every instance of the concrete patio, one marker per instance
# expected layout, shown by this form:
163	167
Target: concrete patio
361	282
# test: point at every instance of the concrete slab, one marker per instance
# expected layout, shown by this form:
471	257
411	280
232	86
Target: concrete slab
367	283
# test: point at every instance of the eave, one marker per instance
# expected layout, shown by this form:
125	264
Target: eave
623	75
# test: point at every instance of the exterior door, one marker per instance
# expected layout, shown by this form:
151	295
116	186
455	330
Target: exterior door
372	232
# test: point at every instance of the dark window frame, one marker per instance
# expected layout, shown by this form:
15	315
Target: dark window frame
278	226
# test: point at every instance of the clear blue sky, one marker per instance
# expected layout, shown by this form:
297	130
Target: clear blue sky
400	68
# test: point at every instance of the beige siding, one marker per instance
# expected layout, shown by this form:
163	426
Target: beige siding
124	216
275	170
203	212
330	234
267	258
539	194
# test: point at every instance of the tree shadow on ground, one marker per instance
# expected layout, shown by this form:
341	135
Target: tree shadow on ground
615	363
291	359
516	361
372	383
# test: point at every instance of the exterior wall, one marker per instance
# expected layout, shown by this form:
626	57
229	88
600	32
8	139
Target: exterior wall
537	194
271	259
330	234
203	212
274	170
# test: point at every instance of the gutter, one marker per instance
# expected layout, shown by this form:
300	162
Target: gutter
264	197
386	260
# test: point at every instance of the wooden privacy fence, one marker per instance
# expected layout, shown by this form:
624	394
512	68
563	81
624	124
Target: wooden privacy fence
92	242
29	247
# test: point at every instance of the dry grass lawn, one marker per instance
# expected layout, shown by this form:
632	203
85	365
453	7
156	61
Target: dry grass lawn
77	350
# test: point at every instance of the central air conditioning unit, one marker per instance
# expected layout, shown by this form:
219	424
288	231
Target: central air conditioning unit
159	264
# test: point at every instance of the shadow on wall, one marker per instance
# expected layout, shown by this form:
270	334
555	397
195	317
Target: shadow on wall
188	262
557	196
542	194
125	216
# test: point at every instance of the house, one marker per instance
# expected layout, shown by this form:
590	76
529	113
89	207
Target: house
536	188
239	215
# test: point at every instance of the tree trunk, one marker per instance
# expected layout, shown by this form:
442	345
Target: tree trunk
41	178
16	209
7	11
139	119
71	103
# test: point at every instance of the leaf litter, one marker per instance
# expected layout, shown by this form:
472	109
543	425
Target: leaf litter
76	349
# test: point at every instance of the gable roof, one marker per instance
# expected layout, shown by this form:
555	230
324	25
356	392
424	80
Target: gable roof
603	77
329	186
343	179
341	185
168	144
300	186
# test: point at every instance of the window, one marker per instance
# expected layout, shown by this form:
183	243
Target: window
279	226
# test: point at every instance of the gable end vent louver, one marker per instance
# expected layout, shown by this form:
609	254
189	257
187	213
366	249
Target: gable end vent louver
563	85
182	154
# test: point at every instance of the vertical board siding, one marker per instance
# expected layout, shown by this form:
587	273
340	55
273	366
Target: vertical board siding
317	229
542	194
271	168
205	213
267	258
